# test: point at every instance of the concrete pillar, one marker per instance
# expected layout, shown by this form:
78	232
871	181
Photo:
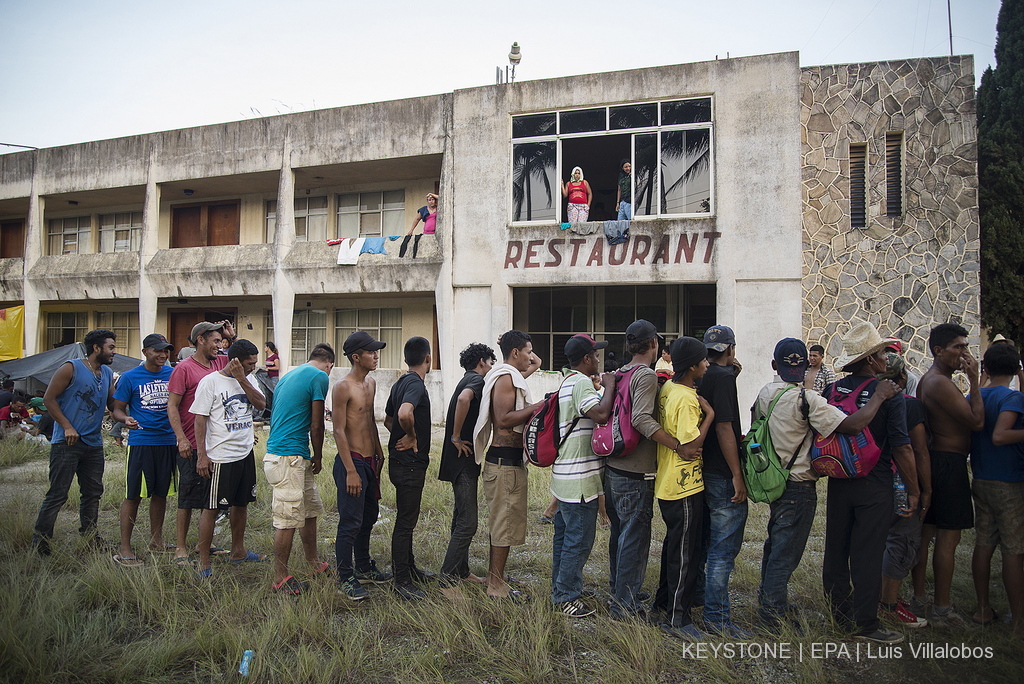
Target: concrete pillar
147	250
444	297
35	231
283	294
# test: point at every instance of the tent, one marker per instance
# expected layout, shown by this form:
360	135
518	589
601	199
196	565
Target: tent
34	372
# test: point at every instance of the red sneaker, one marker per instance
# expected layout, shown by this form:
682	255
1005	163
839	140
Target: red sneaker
902	615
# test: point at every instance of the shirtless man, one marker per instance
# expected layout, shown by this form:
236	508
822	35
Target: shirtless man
296	424
505	408
357	466
951	418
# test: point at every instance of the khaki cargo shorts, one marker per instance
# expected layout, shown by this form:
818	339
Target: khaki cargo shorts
295	494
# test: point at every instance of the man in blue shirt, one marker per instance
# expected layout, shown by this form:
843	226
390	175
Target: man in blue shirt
76	397
140	402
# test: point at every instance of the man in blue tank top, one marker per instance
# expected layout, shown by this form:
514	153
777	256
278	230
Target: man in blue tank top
76	397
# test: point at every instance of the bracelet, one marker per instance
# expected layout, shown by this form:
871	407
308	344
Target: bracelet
676	447
456	441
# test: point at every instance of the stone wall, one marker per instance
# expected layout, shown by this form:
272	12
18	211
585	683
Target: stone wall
905	273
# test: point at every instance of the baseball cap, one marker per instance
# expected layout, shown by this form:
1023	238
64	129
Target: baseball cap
37	403
204	327
157	342
791	359
640	330
895	344
361	340
578	346
719	337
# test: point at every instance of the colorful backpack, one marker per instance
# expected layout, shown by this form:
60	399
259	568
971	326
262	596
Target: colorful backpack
618	437
541	436
845	456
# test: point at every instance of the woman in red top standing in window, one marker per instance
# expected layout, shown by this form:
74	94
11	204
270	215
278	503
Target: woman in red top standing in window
579	194
428	215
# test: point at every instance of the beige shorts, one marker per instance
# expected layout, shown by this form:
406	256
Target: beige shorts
999	515
505	490
295	495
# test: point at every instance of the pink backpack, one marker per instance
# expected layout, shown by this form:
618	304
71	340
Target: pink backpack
618	437
845	456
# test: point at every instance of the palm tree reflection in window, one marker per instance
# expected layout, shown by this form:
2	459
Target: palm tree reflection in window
685	171
533	169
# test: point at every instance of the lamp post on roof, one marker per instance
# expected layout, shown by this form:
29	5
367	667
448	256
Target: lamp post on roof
514	57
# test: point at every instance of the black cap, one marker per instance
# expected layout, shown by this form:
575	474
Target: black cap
157	342
580	345
687	352
791	359
640	330
361	340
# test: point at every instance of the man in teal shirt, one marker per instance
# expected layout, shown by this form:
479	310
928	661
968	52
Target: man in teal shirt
296	422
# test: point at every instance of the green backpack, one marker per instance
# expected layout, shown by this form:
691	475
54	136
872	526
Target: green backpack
762	469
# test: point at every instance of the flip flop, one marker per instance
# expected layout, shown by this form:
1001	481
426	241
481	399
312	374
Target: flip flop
205	574
166	548
182	561
985	623
217	551
250	557
128	561
515	596
324	569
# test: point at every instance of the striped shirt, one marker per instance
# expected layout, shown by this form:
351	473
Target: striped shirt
576	475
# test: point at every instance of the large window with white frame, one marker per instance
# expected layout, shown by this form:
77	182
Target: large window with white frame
70	235
124	324
669	144
121	232
369	214
383	324
310	218
309	328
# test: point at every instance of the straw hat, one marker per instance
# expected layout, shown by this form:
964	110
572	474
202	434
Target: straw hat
862	340
999	338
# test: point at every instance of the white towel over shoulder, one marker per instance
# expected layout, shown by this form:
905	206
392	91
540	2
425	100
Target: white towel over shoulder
482	431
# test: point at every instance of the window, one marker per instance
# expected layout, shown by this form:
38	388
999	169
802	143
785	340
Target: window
669	145
124	324
551	315
368	214
12	239
310	218
70	235
894	174
383	324
205	225
121	232
309	328
858	185
66	328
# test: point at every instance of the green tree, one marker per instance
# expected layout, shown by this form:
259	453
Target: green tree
1001	178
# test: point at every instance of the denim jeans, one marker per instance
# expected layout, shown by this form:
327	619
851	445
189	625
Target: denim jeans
575	527
356	518
630	506
722	538
789	526
625	211
65	463
464	523
408	481
857	517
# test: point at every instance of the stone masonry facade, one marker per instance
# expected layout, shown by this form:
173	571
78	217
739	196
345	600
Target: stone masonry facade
905	273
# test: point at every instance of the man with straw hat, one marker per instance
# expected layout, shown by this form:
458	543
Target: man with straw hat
859	510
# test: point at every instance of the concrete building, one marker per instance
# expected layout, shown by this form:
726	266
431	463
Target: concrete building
776	199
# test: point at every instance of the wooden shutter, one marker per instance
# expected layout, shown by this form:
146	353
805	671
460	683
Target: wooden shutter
186	227
12	239
223	228
858	185
894	174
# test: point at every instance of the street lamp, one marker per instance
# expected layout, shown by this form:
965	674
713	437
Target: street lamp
514	57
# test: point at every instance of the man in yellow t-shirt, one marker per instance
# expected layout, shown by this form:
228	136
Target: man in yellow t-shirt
679	485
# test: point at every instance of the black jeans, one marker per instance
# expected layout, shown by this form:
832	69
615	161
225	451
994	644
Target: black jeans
858	514
356	518
464	524
65	463
408	481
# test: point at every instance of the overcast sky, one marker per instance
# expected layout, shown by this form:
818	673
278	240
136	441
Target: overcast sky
73	71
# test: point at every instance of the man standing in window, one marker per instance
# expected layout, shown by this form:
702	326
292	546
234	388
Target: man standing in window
624	193
408	419
76	397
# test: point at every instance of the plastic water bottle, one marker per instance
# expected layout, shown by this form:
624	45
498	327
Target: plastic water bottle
243	669
899	494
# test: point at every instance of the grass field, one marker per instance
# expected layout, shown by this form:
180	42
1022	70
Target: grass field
79	617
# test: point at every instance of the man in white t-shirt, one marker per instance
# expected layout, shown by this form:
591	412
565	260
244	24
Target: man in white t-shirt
223	408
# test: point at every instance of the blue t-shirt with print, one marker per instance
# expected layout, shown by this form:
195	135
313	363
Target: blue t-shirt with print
988	461
145	392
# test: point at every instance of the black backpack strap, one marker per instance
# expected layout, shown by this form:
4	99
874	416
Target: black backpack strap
804	411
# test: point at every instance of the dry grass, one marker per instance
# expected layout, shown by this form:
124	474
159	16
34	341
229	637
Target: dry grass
78	617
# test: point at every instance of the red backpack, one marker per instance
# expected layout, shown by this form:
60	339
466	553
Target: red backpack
541	436
845	456
618	437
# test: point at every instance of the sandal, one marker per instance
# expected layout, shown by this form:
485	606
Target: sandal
323	570
250	557
515	596
290	586
182	561
128	561
985	623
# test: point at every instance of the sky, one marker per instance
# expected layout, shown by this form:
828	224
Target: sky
74	71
